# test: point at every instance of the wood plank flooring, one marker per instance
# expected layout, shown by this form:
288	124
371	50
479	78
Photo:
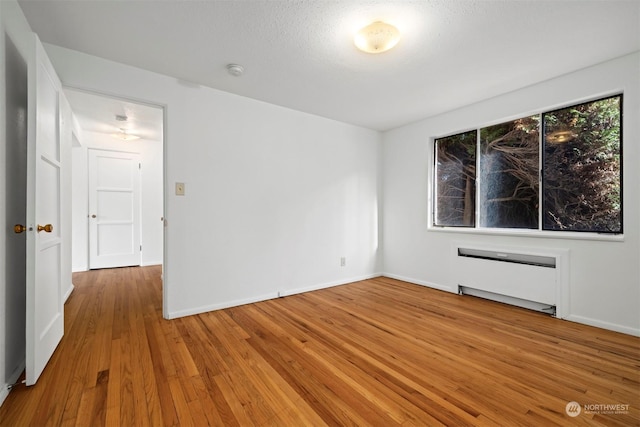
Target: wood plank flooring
374	353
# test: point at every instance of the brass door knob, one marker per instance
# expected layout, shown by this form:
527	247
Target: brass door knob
48	228
94	216
19	228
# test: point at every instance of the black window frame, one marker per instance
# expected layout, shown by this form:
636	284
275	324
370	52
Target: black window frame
541	159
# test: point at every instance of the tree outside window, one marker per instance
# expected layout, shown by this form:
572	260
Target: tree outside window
581	190
582	167
456	180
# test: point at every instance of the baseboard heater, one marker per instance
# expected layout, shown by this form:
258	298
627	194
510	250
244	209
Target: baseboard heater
518	302
523	279
516	258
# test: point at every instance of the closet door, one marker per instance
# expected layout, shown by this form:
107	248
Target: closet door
114	209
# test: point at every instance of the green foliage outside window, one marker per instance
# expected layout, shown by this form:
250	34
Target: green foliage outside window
582	175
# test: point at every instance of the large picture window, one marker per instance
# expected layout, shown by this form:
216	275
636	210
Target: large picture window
560	170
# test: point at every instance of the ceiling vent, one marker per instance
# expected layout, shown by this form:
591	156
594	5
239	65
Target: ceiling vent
121	118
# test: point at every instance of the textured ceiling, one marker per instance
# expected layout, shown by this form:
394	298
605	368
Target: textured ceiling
299	54
98	114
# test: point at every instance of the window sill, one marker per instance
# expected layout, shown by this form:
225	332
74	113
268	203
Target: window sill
561	235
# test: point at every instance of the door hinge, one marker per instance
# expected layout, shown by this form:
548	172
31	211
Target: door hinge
139	165
140	248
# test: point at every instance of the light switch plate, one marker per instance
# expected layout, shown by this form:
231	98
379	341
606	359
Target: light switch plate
179	188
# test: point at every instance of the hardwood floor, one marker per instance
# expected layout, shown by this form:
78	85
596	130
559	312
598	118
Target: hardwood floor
378	352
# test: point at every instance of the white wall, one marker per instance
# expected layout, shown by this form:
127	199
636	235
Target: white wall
274	197
151	195
604	287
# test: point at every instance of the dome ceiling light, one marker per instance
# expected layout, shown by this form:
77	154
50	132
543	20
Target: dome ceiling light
377	37
124	135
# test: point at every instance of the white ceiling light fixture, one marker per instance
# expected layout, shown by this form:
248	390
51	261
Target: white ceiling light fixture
377	37
124	135
235	70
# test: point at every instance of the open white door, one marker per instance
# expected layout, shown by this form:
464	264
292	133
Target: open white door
114	209
45	304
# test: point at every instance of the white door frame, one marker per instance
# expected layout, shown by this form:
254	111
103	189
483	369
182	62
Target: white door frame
164	107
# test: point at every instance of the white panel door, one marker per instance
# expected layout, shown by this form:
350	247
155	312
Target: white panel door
45	304
114	209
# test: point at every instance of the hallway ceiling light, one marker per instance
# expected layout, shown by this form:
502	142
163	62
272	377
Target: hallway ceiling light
377	37
124	136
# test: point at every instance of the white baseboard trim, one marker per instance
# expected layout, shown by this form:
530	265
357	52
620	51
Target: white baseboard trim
287	292
220	306
572	318
268	296
150	263
603	325
4	392
67	294
422	283
86	268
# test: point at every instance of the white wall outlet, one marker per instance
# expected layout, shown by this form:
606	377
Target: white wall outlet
343	261
179	188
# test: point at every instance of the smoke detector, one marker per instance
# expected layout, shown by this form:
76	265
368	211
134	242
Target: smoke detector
235	69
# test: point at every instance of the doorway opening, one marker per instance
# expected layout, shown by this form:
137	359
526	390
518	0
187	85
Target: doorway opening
117	182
